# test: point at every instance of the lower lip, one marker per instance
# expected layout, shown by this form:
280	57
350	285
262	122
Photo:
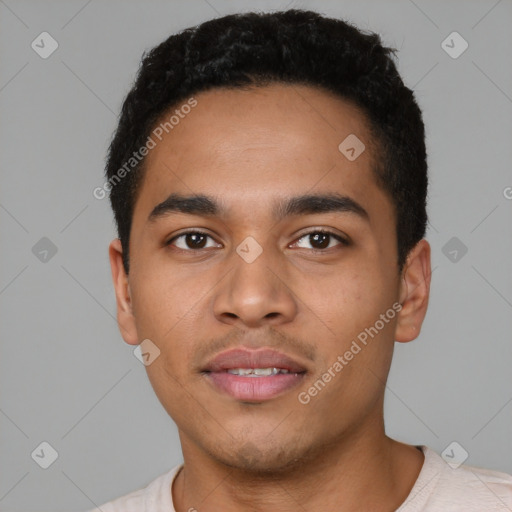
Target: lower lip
254	389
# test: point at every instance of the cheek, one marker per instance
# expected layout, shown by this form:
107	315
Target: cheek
357	308
170	386
348	300
166	301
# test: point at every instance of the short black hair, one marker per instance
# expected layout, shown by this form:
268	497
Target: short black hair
293	47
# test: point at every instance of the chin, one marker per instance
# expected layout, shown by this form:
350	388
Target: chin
263	460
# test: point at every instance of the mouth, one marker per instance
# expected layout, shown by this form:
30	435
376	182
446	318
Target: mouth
253	376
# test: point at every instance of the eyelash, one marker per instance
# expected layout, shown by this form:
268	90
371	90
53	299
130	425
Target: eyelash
339	238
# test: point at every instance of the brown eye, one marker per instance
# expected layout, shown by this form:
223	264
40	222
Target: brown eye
191	240
320	240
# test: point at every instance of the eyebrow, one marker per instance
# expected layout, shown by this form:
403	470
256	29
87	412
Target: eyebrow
206	206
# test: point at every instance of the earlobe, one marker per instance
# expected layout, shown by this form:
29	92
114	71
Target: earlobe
125	316
414	292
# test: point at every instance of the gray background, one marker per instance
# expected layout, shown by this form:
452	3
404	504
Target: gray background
66	376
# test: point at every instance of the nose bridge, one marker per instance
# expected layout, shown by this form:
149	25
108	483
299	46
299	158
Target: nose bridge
252	264
254	292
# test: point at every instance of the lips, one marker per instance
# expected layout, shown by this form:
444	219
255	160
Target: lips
253	376
243	358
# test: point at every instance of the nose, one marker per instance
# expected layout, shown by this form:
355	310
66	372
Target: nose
255	294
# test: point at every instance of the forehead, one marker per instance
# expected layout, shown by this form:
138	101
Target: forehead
245	146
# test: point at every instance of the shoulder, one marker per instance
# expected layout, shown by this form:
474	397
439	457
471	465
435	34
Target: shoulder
156	493
451	488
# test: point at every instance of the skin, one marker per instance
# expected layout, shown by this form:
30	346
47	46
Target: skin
249	149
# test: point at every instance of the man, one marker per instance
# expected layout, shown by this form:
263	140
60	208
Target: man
268	178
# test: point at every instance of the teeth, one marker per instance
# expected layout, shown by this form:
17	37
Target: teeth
265	372
256	372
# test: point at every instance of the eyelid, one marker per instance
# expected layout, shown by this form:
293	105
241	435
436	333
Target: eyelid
328	231
195	231
343	239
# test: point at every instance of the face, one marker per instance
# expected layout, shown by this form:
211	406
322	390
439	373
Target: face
258	272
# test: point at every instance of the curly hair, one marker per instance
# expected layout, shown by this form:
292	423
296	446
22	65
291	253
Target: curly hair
294	47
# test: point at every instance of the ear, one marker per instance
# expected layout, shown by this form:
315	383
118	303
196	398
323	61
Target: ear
125	317
414	292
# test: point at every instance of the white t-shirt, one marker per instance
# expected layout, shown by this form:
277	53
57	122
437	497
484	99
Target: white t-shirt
438	488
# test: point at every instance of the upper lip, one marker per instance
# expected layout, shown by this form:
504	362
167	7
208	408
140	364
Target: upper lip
245	358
